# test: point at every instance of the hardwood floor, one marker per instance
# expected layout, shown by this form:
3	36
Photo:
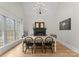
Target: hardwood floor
61	51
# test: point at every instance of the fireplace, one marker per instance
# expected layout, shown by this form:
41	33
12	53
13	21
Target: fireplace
39	29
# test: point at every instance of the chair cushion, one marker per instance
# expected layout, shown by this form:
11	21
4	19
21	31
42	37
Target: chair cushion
29	44
38	44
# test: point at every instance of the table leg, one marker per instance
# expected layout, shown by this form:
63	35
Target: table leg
55	46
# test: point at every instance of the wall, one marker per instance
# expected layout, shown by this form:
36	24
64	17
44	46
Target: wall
48	18
12	10
70	38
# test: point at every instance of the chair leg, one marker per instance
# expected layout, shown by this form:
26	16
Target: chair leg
35	49
42	49
32	50
26	50
52	50
45	50
23	47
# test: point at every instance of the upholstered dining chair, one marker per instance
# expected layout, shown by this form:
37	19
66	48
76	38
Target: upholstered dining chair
29	43
38	43
49	43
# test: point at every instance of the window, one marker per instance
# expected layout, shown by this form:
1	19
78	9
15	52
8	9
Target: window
17	29
10	29
1	23
21	28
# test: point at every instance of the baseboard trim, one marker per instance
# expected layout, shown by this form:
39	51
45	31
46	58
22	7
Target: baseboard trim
9	46
69	46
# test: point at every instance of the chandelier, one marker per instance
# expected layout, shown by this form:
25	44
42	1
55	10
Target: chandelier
40	8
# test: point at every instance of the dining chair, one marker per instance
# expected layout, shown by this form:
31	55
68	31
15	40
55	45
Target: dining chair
38	43
29	43
49	44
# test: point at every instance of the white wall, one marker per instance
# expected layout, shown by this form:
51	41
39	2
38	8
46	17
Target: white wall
69	37
12	9
48	17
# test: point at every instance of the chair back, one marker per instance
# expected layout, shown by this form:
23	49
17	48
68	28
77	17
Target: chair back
49	40
29	41
38	40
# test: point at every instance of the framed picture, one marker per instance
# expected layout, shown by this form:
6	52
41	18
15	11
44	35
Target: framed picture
65	25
